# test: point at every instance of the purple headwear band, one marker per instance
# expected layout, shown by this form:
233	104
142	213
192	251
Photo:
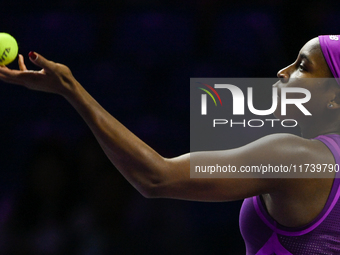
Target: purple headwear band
330	46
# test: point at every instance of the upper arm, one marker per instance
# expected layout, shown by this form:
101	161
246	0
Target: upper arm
274	150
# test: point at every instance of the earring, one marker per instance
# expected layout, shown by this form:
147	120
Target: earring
330	105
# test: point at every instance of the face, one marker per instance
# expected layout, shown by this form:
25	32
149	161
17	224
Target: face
309	71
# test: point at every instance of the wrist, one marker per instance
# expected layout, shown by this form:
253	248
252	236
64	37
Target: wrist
72	91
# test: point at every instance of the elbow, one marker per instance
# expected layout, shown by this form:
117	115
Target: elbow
147	193
154	185
153	188
150	191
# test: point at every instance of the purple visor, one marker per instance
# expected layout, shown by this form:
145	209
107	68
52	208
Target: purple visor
330	46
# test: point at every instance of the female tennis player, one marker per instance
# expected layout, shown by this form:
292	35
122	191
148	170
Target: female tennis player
278	216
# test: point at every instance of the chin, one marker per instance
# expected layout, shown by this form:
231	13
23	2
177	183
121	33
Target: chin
277	114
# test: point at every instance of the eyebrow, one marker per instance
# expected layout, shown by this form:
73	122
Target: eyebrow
304	56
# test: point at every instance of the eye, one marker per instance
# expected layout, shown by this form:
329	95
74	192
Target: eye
302	67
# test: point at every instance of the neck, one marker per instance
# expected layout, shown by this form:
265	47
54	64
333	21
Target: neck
309	131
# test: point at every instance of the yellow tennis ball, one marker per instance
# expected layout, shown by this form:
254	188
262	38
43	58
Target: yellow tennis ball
8	49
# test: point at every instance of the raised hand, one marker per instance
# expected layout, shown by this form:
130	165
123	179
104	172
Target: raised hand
53	77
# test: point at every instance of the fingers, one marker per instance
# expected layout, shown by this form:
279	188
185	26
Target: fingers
21	63
20	77
40	61
23	76
5	72
8	76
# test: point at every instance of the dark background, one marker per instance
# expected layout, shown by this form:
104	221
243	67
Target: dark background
59	193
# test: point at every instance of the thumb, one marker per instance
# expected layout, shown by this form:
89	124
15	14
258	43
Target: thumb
40	61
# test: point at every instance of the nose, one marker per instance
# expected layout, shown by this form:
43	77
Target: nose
284	74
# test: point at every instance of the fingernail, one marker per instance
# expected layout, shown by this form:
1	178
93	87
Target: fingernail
32	55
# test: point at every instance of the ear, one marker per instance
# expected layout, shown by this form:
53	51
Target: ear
335	102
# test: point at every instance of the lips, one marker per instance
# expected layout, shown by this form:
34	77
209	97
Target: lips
278	86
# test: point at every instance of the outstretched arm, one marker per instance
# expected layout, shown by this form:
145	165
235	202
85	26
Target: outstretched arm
150	173
139	164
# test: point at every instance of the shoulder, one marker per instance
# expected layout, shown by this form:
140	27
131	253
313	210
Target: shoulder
287	148
284	138
296	201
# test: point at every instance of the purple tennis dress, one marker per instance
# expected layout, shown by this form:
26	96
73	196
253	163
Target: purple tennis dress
264	236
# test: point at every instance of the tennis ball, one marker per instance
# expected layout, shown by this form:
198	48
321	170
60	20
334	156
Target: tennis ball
8	49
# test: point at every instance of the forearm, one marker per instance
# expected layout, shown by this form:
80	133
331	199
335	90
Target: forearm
151	174
140	164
